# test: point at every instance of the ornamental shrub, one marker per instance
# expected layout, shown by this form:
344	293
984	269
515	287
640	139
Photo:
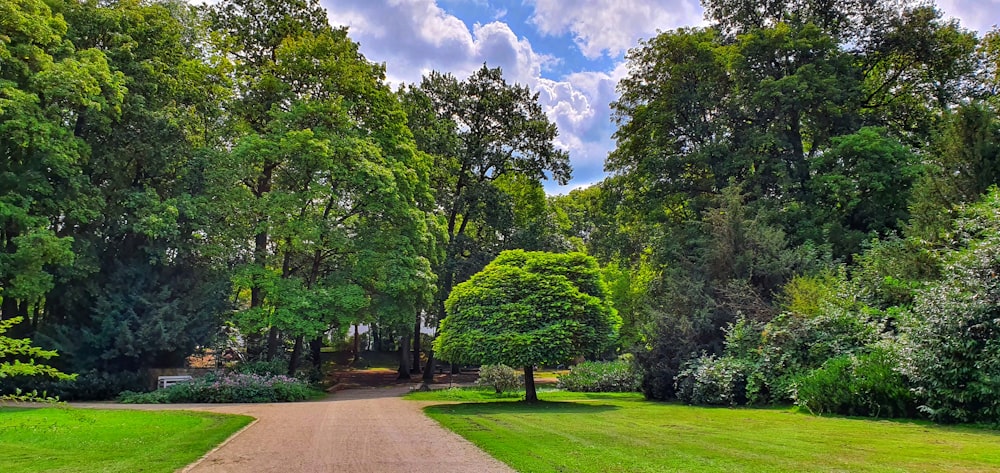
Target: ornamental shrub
618	376
714	381
230	387
951	341
500	377
860	385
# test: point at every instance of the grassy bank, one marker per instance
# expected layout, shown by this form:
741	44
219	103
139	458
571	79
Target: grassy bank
623	433
66	440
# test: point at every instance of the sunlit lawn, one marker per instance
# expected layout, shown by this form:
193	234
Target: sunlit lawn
66	440
572	432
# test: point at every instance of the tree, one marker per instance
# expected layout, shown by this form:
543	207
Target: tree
47	87
252	34
479	131
18	358
144	289
324	179
526	309
963	163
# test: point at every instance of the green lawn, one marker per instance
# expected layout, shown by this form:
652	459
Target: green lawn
61	439
623	433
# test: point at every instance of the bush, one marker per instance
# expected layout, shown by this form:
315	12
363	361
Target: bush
617	376
231	387
951	343
714	381
88	386
865	385
263	368
500	377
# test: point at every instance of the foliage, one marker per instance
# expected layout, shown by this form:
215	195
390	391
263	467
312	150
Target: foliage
501	378
731	264
112	441
20	359
89	385
951	351
526	309
263	367
492	144
964	162
859	385
618	376
226	388
713	381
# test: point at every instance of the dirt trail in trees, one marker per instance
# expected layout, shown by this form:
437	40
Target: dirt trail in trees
357	430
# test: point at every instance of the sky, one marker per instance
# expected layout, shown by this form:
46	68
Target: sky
570	53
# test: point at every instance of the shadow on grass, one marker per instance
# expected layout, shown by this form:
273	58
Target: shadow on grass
520	407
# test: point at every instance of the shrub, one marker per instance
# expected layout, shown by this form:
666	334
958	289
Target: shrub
263	368
88	386
500	377
951	343
231	387
617	376
861	385
714	381
792	345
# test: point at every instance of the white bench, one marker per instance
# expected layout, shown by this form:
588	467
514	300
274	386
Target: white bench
167	381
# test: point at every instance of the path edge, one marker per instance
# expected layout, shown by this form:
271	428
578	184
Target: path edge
197	462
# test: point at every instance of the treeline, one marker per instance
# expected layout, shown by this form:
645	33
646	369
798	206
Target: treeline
800	210
239	175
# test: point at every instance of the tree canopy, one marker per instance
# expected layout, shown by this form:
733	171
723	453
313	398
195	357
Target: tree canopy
526	309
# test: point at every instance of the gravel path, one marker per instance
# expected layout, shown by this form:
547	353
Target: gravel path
359	430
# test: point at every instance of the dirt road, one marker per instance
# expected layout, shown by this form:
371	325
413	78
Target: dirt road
360	430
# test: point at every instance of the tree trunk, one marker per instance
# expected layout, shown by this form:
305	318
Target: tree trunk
260	256
316	348
415	366
429	368
293	363
356	338
8	308
404	355
272	343
529	384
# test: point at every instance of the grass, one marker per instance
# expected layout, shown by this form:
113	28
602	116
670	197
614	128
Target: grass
63	440
623	433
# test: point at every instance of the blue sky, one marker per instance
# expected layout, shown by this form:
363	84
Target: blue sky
571	53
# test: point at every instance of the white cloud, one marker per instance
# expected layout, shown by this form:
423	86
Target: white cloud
612	26
415	36
980	15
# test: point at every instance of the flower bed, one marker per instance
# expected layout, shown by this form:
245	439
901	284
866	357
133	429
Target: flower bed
229	387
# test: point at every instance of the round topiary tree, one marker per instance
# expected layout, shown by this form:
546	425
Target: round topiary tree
526	309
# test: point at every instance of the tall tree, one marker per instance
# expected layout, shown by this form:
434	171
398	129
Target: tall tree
479	130
143	291
252	33
48	87
338	192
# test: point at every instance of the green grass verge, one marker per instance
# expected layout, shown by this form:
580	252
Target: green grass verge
623	433
63	440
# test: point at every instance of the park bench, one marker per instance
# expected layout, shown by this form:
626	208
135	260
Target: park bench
167	381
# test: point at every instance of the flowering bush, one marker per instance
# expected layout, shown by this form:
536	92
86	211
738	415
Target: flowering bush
617	376
714	381
500	377
229	387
